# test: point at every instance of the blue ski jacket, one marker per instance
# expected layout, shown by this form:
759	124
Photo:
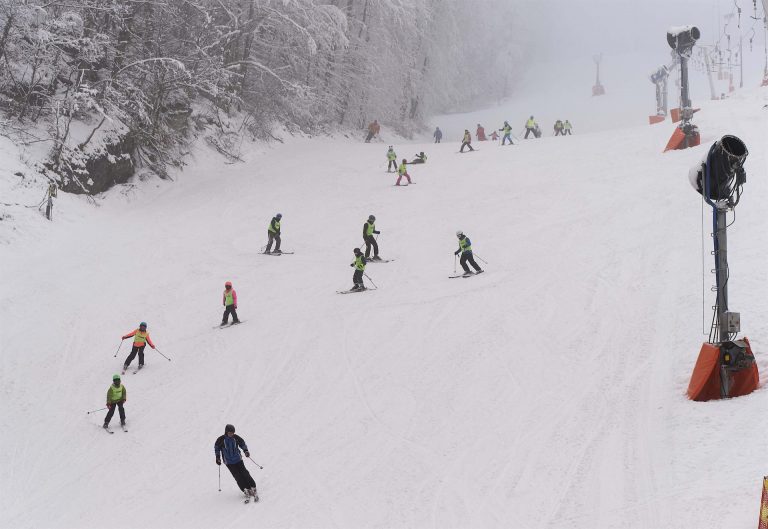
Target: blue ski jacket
230	447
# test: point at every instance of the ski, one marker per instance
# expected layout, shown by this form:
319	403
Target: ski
228	325
465	152
277	254
352	291
466	275
107	430
379	261
138	369
124	428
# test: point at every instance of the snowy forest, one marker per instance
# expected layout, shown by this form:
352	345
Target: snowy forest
113	87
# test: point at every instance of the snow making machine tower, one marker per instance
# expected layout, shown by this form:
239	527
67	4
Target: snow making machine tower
682	39
726	366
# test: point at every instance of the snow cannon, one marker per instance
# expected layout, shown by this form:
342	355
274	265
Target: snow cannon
659	78
726	365
682	39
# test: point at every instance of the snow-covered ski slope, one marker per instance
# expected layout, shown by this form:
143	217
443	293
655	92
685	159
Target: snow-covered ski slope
547	393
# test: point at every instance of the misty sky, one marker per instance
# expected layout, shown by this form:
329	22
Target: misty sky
573	29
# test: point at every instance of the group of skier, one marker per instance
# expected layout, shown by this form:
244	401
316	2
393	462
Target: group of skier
531	127
561	129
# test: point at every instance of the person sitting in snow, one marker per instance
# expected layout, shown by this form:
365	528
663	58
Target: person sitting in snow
419	158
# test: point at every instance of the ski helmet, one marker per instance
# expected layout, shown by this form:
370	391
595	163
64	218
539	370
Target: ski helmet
459	233
279	216
228	284
229	428
143	324
371	218
115	377
357	250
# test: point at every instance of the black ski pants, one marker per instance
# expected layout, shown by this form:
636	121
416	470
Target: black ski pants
392	164
241	475
527	132
466	257
134	350
357	277
437	140
273	237
370	241
111	412
230	309
466	144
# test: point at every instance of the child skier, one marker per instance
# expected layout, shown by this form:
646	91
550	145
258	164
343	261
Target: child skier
495	136
369	230
567	128
507	130
392	160
228	446
273	232
359	266
438	134
480	133
402	171
230	304
465	249
467	141
419	158
140	341
116	397
559	128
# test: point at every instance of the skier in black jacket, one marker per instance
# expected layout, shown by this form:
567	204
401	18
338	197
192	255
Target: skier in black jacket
228	446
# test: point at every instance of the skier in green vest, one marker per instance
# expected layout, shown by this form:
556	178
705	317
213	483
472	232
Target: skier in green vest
567	128
369	230
507	130
116	397
359	265
465	249
273	232
402	171
392	160
230	304
530	127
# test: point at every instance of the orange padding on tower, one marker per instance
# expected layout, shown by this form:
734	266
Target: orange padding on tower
705	381
677	139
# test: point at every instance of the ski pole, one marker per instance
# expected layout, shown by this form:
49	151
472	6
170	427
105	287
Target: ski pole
118	348
454	262
483	260
255	463
94	411
219	477
371	280
161	354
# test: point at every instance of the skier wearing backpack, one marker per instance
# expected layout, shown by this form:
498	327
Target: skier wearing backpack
273	232
116	397
466	141
227	447
140	341
465	249
230	304
369	230
392	160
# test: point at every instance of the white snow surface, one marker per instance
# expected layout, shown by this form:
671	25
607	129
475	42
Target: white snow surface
547	393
